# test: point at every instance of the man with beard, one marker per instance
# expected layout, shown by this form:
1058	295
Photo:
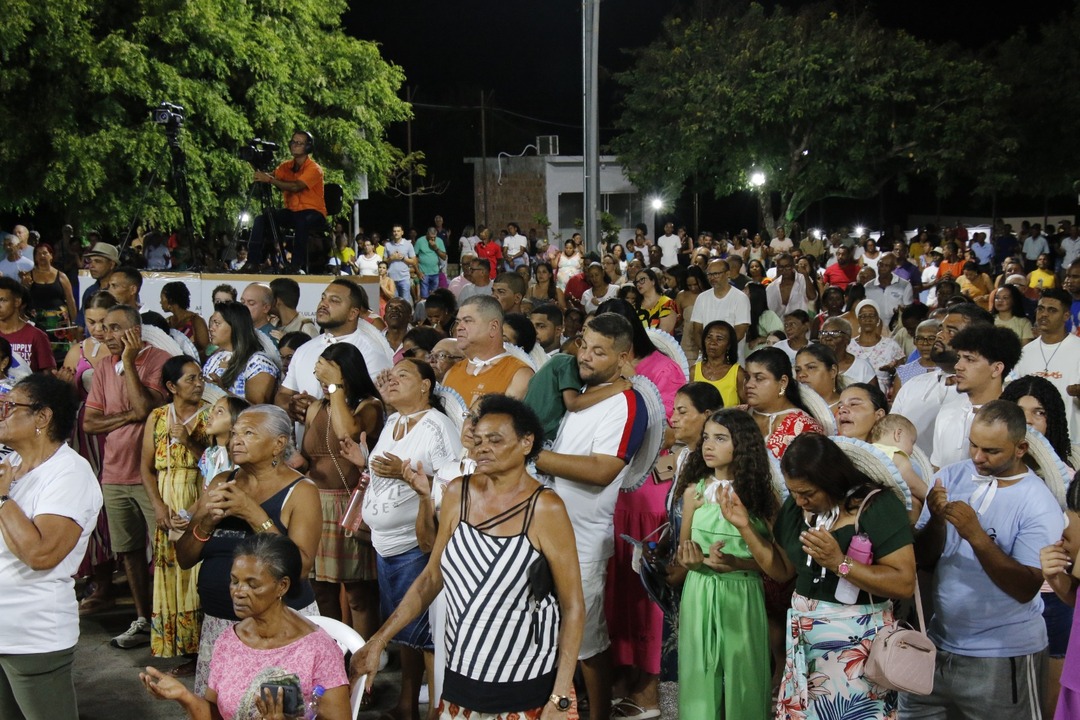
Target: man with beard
339	315
984	357
587	461
1055	355
488	367
921	398
844	271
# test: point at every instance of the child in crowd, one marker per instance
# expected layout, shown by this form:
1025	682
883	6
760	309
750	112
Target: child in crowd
215	459
895	435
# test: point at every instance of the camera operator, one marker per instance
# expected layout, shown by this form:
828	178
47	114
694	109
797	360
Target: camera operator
301	182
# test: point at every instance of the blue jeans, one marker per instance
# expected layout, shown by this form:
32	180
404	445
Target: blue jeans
428	283
396	574
404	289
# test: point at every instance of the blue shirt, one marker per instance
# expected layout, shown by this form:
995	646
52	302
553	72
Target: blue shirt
1072	324
972	615
398	269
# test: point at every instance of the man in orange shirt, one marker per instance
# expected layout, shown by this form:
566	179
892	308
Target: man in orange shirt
301	182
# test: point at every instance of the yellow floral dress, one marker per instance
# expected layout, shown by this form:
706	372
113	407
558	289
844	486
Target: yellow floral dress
174	626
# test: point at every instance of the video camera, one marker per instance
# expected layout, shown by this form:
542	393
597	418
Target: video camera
169	114
260	153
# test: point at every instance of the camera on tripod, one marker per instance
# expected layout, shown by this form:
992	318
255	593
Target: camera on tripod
169	114
260	153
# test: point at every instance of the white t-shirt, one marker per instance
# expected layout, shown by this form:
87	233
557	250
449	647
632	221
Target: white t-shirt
951	431
514	243
590	302
733	307
781	246
600	429
11	269
390	505
861	371
372	345
38	608
920	400
670	244
1060	364
367	267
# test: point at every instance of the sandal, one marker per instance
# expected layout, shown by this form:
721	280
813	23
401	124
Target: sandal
627	708
94	604
185	669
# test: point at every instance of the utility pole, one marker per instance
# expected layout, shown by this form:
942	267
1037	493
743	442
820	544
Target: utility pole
408	149
590	41
483	153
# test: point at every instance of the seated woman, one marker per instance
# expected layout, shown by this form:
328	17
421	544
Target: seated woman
240	366
271	644
262	495
500	519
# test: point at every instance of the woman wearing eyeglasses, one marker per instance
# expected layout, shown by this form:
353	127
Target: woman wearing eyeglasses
49	503
661	310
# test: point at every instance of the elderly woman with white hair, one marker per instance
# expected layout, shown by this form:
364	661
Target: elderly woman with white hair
262	495
883	353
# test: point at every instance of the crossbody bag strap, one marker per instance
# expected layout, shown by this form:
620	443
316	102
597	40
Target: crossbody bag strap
862	506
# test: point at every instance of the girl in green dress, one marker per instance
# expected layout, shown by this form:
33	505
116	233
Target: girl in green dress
723	633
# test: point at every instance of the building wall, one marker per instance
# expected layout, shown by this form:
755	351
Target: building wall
515	192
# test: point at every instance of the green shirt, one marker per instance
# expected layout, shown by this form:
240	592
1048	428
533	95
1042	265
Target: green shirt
885	520
545	391
428	258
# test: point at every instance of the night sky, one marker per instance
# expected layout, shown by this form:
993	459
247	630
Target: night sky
526	55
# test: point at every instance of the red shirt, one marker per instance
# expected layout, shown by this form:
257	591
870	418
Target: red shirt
576	287
492	252
841	275
33	346
108	393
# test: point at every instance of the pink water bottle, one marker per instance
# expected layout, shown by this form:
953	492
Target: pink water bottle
861	552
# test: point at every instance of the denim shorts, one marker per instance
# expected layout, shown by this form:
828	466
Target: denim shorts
1058	617
396	575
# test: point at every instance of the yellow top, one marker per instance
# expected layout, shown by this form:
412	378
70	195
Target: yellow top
727	385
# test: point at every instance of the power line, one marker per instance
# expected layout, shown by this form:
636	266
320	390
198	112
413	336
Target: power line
556	123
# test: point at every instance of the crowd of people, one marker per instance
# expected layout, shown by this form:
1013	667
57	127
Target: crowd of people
557	477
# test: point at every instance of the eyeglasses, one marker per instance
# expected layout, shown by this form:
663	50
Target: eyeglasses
718	273
446	357
8	406
924	339
833	334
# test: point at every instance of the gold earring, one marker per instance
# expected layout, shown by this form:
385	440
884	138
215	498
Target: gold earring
37	431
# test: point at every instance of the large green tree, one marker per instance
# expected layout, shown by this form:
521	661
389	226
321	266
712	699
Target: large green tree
78	79
1042	71
823	104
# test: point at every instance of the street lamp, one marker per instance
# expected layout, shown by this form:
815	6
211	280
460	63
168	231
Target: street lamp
757	178
657	204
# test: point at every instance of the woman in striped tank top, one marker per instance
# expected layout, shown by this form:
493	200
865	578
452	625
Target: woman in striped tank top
512	643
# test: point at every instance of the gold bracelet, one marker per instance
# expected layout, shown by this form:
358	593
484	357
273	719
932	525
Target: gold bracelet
265	526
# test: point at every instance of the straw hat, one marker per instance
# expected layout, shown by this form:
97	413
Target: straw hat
212	392
922	465
454	404
520	354
670	347
777	477
1074	456
818	408
161	340
1045	462
644	460
876	465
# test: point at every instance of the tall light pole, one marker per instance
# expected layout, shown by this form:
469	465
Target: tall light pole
590	41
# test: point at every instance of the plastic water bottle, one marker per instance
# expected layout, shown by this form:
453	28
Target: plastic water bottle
860	551
311	711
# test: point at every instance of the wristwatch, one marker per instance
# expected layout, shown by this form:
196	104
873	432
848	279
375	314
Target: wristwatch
5	498
562	703
331	389
845	567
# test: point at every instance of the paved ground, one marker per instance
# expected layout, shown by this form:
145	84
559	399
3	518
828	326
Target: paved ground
107	678
108	688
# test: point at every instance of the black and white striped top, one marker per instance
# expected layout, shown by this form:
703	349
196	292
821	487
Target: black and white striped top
501	644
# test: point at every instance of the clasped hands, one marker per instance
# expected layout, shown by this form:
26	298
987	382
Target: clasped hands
956	512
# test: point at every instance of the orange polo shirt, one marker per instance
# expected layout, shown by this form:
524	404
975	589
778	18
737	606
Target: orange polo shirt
311	175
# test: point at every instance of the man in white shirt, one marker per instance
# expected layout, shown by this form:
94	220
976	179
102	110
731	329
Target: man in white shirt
723	303
338	314
891	293
1070	246
789	291
14	262
922	397
515	247
1055	354
587	462
670	244
984	358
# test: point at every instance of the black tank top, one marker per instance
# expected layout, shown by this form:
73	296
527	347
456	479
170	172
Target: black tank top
217	557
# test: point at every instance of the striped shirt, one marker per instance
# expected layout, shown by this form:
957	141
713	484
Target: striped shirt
501	643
